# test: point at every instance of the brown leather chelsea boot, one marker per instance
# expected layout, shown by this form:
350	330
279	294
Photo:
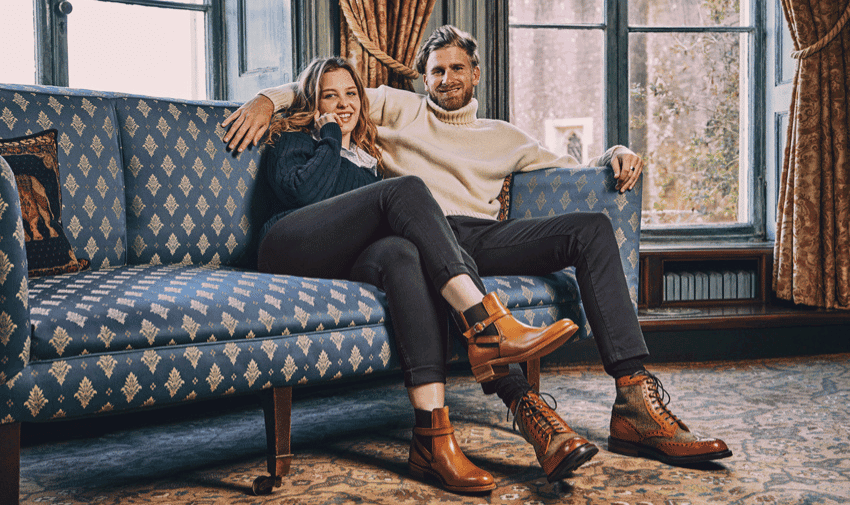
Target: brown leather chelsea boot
444	459
496	339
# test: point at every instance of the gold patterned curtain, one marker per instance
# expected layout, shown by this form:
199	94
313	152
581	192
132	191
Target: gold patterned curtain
812	249
382	37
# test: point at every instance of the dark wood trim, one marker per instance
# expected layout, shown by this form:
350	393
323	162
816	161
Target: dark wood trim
277	410
738	316
10	463
653	259
764	311
532	373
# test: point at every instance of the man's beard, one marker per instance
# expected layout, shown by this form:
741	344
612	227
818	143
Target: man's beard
453	102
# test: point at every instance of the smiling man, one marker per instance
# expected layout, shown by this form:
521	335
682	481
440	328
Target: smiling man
463	160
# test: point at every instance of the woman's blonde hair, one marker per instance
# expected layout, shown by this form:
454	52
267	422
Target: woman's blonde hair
300	116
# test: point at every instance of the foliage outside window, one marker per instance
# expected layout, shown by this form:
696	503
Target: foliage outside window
684	104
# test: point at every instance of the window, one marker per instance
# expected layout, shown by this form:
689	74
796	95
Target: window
145	49
672	79
17	38
154	47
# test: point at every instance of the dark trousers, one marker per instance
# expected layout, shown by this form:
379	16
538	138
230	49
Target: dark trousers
366	235
539	246
391	234
536	246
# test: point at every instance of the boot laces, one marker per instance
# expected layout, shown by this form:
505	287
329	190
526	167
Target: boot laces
542	418
659	397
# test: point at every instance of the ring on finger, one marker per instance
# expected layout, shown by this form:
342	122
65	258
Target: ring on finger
632	169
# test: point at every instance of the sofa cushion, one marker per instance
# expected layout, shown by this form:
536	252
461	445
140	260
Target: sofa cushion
140	307
91	174
147	306
34	161
189	200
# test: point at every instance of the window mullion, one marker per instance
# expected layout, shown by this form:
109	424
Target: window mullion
51	44
616	73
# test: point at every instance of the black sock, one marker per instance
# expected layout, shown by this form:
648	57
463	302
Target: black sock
512	387
624	368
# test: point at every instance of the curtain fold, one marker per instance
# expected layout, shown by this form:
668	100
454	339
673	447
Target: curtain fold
382	37
812	248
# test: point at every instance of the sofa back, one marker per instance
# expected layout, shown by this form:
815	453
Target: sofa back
90	163
189	200
144	179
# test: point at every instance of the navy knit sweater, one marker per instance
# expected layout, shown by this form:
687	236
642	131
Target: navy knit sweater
302	171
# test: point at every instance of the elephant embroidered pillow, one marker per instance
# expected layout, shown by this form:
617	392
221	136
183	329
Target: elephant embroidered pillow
35	162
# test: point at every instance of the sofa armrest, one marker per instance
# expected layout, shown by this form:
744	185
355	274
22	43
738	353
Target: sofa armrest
586	189
14	314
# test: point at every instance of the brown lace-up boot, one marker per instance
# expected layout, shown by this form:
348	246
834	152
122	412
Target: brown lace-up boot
434	451
496	339
642	425
559	449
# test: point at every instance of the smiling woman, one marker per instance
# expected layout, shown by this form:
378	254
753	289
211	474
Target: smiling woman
339	102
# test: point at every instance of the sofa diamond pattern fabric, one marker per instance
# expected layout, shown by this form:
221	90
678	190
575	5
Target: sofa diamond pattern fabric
558	191
101	371
89	160
132	379
14	311
189	198
148	306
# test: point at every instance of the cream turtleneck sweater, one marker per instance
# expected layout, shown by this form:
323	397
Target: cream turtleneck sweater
462	159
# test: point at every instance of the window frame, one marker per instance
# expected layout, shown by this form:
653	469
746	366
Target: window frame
616	32
52	40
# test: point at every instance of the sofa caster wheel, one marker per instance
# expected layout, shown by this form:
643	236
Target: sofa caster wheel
264	484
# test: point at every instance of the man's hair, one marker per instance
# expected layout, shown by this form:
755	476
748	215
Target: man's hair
446	36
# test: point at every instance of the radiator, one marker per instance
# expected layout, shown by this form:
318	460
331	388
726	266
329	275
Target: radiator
689	285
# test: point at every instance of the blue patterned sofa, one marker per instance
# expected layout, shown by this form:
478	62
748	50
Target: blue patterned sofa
171	309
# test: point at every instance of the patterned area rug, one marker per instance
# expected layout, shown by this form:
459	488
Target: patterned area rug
787	422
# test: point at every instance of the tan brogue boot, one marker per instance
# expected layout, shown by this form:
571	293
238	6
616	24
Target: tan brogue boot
559	449
496	339
444	460
642	425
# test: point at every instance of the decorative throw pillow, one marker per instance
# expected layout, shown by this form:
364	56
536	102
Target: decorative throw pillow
505	198
35	163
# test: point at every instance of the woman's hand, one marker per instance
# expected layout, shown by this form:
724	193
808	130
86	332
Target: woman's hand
323	119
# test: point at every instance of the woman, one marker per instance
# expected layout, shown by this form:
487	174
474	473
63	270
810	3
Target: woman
337	218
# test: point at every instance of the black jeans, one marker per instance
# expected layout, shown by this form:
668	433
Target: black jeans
391	234
539	246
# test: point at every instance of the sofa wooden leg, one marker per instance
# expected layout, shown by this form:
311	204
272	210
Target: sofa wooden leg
10	463
532	373
277	407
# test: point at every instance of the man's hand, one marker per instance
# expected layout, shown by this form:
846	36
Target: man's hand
249	123
627	168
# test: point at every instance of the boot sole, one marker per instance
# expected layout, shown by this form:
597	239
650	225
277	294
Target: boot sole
498	367
639	450
424	473
572	461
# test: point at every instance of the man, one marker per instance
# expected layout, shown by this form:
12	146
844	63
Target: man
463	161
